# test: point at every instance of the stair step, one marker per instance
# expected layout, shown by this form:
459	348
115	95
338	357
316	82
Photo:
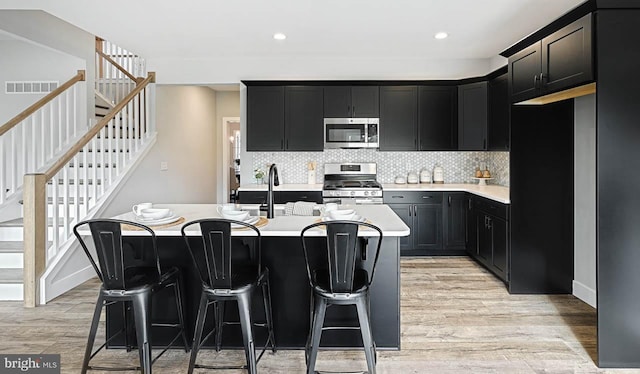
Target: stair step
18	222
11	276
11	247
11	254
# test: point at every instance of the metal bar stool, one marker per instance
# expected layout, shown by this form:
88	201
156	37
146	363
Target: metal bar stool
339	281
227	279
131	281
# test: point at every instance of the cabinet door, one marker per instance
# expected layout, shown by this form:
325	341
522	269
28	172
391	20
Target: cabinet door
485	244
455	220
472	116
303	121
437	125
427	223
265	118
500	243
498	124
404	212
566	56
524	73
472	227
365	102
337	102
398	118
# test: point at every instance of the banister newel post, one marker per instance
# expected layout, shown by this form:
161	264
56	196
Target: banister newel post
35	236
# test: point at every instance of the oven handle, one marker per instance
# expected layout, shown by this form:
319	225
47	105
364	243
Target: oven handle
368	201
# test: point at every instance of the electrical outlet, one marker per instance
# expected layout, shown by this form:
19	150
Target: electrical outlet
164	166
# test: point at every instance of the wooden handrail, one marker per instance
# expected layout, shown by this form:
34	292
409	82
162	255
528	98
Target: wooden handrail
62	161
42	102
123	70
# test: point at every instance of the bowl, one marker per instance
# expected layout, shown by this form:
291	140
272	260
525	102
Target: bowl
342	214
155	213
236	215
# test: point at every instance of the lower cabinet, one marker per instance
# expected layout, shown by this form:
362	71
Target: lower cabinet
455	220
488	235
279	197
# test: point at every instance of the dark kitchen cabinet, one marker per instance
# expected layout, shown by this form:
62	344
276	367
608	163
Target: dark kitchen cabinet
351	101
472	117
398	118
279	197
303	119
422	212
437	125
561	60
455	220
489	235
265	118
283	118
472	226
498	123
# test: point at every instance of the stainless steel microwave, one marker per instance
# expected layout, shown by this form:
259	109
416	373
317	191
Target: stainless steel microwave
351	133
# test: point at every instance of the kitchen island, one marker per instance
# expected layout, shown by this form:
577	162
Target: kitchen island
290	291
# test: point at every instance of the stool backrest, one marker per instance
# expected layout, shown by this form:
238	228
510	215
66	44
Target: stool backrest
341	253
107	240
213	258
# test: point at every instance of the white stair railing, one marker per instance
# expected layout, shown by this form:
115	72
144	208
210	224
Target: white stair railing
79	179
117	70
36	137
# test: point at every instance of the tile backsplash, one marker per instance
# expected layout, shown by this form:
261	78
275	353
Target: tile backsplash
459	167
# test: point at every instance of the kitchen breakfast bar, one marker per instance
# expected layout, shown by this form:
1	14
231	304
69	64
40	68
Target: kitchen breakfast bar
290	291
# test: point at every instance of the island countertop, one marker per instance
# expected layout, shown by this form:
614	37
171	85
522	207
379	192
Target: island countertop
280	226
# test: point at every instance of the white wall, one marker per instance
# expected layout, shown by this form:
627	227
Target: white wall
49	31
584	284
22	61
186	124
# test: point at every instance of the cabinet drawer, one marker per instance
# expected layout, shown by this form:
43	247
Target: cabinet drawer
412	197
493	207
252	197
293	196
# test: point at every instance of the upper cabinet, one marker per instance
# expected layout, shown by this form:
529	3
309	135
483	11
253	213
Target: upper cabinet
284	118
398	118
351	101
437	127
498	123
472	117
561	60
265	118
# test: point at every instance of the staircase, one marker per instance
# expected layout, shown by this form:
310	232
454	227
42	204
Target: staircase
79	181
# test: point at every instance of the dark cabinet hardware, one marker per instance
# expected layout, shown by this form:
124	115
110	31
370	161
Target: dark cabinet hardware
427	197
397	197
449	200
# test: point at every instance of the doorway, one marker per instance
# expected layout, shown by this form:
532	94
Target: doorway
231	146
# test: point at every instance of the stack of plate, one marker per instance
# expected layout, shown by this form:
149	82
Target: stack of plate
169	218
252	220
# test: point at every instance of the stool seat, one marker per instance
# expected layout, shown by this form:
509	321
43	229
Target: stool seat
322	281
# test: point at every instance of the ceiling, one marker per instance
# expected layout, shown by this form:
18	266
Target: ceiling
325	38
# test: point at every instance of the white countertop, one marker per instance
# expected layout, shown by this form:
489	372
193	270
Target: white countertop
496	193
282	187
379	215
493	192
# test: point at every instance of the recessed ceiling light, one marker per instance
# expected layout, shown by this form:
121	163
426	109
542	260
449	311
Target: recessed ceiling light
279	36
441	35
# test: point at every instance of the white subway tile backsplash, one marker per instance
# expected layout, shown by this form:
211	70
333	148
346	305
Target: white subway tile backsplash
459	167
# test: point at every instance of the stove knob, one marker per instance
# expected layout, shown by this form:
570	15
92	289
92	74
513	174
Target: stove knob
366	193
353	193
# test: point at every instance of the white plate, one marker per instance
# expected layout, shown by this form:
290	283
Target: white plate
161	221
355	218
250	220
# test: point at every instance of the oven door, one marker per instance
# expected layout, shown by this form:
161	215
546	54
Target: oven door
350	133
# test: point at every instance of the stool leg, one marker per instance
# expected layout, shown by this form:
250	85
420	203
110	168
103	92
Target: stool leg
142	316
367	338
244	310
178	292
126	310
219	314
92	333
316	332
266	298
197	335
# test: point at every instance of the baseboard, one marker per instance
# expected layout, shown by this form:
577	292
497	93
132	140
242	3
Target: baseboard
584	293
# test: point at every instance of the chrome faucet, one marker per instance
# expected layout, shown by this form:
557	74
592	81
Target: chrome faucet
273	181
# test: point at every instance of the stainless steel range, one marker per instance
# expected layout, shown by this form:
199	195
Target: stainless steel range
351	183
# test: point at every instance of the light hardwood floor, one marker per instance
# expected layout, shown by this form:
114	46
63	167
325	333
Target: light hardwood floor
456	318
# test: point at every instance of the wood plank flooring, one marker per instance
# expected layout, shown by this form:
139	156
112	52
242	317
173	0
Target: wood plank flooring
456	318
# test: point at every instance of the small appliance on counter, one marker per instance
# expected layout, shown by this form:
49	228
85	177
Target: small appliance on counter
438	174
412	178
425	176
